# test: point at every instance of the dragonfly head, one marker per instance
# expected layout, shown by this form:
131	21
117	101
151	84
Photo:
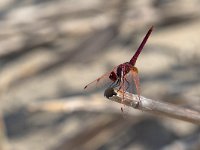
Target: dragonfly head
113	76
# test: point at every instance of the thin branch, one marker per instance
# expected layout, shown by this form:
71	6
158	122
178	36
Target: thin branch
153	106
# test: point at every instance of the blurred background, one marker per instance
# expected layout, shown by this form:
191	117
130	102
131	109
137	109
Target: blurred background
49	50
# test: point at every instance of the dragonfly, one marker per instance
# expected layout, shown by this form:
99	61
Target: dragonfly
118	76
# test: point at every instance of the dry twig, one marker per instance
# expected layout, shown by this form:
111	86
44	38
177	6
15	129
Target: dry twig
153	106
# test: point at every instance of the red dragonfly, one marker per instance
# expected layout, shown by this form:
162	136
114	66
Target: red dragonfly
118	76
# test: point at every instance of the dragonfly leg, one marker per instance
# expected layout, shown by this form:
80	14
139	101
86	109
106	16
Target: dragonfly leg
120	86
118	82
115	83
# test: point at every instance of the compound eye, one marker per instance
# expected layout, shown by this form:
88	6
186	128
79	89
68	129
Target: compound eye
113	76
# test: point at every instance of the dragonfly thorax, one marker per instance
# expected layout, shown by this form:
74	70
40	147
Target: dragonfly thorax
123	69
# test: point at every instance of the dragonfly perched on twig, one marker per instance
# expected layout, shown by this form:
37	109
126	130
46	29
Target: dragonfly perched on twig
118	76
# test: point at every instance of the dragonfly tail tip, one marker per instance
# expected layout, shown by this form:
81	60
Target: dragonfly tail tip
152	27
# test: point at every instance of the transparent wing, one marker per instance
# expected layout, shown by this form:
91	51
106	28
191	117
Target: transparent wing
102	81
134	73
